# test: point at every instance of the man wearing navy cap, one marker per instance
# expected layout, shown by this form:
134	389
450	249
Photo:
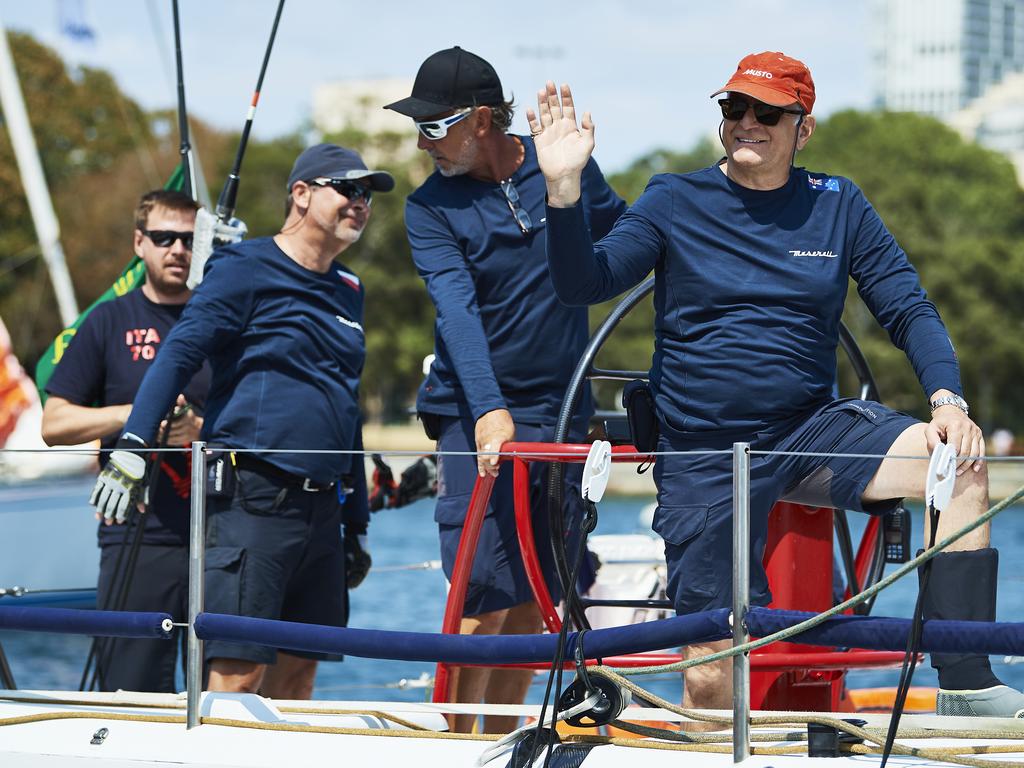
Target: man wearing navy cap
505	346
281	323
752	258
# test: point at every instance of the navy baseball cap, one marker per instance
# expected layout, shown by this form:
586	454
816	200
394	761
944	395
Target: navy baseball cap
450	79
333	162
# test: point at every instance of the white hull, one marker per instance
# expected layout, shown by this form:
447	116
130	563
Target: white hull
57	728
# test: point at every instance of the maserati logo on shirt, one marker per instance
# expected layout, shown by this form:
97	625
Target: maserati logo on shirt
349	323
350	280
818	254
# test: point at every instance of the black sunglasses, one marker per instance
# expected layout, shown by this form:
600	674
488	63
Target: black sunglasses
518	212
353	190
765	114
164	238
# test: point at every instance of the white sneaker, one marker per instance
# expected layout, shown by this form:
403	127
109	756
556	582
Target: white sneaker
997	701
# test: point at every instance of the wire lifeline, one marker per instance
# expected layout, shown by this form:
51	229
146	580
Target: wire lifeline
514	454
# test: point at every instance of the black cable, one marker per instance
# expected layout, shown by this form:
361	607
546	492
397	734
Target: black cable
6	676
106	645
101	647
842	528
913	642
587	525
94	647
229	194
186	149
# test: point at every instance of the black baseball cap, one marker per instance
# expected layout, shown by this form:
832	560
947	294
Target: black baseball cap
333	162
450	79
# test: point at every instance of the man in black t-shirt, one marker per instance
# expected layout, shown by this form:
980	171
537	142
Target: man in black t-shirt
90	396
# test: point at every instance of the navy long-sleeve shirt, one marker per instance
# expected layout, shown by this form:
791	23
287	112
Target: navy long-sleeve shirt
749	291
286	347
502	337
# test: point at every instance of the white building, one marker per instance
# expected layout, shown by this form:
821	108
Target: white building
359	105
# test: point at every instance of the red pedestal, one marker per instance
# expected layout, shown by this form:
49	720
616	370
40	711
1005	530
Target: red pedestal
798	559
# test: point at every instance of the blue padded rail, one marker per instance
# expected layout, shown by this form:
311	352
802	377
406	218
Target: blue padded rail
74	621
462	649
882	633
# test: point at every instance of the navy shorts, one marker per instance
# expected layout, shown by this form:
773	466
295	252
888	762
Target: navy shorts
694	514
274	556
498	578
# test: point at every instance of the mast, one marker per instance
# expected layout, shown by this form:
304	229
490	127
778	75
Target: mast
31	170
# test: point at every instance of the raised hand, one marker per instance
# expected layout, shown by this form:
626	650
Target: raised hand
563	148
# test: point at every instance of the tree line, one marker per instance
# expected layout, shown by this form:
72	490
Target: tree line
956	208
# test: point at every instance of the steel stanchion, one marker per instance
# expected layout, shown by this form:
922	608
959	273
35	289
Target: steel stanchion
740	600
196	560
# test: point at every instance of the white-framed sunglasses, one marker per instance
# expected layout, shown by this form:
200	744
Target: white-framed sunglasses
435	130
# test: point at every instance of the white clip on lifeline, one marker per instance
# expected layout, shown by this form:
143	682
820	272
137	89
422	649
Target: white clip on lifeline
938	487
596	470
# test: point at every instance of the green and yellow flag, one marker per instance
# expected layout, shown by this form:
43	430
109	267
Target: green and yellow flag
131	277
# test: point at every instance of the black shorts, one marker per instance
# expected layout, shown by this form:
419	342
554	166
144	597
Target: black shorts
274	556
159	582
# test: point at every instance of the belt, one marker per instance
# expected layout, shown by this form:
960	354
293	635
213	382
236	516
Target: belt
249	462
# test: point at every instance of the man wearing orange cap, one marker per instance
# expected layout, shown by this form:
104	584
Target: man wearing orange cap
752	257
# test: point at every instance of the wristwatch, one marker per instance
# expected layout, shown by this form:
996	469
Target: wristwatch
956	400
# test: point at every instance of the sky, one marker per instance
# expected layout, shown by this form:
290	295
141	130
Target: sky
644	68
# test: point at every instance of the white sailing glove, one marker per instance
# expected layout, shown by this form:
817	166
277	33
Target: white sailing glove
118	487
211	232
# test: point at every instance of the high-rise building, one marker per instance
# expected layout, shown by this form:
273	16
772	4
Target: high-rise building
959	60
937	56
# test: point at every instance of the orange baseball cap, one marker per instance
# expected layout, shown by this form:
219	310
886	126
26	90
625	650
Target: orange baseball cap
774	78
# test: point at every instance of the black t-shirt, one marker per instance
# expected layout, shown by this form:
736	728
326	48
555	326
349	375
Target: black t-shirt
104	365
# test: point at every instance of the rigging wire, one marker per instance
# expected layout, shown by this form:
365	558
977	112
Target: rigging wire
186	149
229	194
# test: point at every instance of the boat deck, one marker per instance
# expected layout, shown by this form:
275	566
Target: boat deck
49	728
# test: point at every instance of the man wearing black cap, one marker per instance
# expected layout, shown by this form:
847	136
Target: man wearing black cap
281	323
505	347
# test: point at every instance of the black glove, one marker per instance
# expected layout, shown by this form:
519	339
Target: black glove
382	490
357	558
418	481
120	484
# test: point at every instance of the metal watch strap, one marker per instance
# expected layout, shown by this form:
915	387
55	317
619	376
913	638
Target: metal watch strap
956	400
